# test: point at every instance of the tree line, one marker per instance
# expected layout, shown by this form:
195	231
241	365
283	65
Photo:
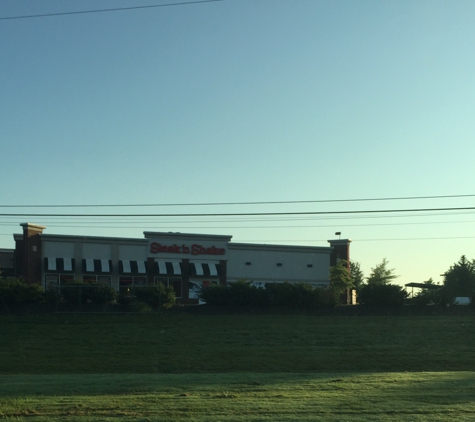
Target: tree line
458	281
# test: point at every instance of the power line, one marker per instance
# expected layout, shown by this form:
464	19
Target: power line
355	240
314	201
239	214
336	219
262	227
117	9
99	225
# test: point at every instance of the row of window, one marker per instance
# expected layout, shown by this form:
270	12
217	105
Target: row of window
125	283
53	280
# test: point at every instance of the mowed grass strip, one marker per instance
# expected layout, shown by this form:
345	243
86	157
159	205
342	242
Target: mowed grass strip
240	397
153	343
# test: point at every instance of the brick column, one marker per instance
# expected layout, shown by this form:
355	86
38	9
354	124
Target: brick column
341	250
223	272
150	271
185	280
32	253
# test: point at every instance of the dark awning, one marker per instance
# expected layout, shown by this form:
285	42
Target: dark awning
133	267
59	264
167	267
103	266
208	269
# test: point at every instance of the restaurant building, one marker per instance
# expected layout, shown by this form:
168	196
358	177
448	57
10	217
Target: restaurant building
184	261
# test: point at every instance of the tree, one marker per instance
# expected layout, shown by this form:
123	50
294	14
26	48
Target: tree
382	295
459	279
381	274
356	274
340	277
432	294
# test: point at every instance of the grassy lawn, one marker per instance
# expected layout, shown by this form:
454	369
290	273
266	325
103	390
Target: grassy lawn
240	397
237	367
152	343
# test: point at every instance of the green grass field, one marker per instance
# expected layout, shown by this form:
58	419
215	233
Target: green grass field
237	367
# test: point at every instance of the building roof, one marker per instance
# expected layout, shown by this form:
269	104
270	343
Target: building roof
424	285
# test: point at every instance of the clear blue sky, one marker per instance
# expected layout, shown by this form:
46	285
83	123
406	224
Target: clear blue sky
240	100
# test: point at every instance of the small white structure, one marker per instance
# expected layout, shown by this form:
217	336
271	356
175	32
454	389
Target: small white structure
462	300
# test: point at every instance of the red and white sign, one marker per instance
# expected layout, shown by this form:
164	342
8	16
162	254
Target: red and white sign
195	249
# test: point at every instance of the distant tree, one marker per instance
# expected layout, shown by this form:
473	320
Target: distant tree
356	274
459	279
340	277
381	274
428	296
382	295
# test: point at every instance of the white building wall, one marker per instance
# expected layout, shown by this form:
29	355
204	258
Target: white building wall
58	249
259	263
96	251
133	252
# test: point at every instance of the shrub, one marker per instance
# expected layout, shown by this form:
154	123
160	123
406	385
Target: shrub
382	295
244	293
292	295
17	291
125	299
431	297
215	294
141	307
52	296
80	292
101	293
240	293
155	296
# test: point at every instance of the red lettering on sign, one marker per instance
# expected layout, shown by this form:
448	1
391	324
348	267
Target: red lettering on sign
200	250
196	249
183	249
157	248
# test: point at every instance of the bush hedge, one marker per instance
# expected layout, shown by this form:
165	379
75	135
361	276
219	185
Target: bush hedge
78	292
382	295
157	296
294	295
14	291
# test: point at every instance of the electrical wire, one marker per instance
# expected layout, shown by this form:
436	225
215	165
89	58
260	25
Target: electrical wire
314	201
116	9
354	240
240	213
260	227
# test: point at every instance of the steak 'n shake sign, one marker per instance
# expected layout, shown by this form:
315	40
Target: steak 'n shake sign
186	246
194	249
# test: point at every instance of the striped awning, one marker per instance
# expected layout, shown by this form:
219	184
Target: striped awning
59	264
133	267
97	266
168	267
204	269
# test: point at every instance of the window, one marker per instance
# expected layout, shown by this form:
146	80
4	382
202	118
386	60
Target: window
54	280
51	281
173	282
127	283
92	279
66	279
